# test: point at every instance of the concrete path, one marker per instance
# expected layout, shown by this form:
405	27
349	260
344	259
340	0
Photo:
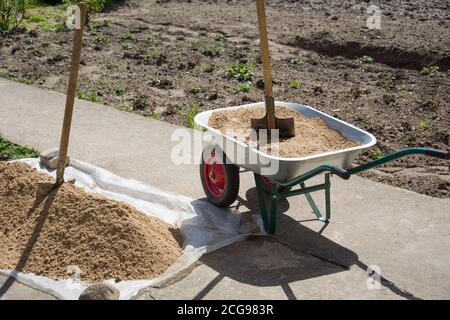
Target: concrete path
405	235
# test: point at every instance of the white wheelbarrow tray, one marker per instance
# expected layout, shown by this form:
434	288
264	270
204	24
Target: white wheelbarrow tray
289	168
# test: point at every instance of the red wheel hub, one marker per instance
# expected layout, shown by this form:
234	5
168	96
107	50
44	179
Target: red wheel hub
267	182
214	175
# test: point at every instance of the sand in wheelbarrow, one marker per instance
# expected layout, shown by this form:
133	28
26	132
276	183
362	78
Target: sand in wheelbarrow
312	135
46	233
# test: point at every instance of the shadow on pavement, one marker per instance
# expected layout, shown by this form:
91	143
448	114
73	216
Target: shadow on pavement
294	253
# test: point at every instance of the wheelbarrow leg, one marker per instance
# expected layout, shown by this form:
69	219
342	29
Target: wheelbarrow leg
313	205
269	217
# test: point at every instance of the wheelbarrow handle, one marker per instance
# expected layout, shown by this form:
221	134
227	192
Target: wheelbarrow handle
345	174
437	153
441	154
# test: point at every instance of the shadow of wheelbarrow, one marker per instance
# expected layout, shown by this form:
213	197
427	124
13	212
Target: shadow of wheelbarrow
294	253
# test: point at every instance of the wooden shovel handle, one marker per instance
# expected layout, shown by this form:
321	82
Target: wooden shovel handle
70	98
265	55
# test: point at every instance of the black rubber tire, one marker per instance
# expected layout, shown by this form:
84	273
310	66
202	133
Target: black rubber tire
231	191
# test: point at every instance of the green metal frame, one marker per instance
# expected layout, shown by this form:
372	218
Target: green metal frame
269	215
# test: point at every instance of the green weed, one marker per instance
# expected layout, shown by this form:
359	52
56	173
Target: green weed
195	89
244	87
297	61
294	84
240	72
155	115
127	46
190	114
124	36
140	103
367	60
12	151
119	89
89	96
376	155
150	40
102	40
423	125
431	70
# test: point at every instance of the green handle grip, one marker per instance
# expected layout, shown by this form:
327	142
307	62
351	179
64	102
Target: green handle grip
438	153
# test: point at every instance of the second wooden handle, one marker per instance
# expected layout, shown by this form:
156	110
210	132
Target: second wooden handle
264	43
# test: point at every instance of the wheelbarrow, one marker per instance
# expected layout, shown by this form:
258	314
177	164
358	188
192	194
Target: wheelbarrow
219	171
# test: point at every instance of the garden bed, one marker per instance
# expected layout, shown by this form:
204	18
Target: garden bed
161	61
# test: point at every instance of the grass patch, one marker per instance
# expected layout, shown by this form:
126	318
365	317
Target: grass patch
155	115
190	114
40	15
89	96
12	151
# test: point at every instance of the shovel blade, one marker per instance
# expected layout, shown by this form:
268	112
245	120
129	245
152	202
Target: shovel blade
285	126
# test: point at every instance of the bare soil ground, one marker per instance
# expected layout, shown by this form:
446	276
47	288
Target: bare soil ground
158	58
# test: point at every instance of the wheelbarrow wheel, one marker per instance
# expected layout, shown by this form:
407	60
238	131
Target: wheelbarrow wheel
220	180
267	184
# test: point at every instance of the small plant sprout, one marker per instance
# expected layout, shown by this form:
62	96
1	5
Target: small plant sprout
92	97
297	61
294	84
240	72
367	60
423	125
377	155
431	70
126	36
102	40
195	89
189	114
140	103
150	40
244	87
127	46
29	43
155	115
119	89
209	47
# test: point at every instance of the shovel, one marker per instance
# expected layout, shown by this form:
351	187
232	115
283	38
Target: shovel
47	187
285	126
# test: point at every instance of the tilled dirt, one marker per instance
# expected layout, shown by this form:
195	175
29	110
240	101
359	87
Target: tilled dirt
157	59
312	135
49	233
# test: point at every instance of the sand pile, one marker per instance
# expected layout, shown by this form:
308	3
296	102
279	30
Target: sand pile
45	234
312	135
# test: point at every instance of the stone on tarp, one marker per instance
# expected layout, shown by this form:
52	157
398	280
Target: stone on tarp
50	158
100	291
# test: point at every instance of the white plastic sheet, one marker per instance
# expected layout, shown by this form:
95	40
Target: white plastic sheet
204	227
